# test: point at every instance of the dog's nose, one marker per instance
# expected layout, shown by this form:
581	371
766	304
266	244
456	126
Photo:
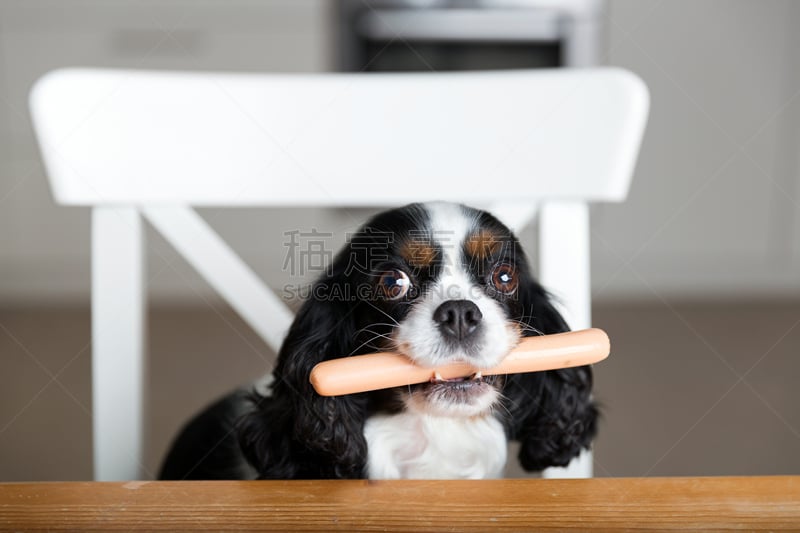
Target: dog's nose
458	318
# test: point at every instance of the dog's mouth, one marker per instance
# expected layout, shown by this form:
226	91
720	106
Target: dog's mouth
468	391
462	383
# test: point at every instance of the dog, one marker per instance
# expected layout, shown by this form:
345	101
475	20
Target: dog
438	282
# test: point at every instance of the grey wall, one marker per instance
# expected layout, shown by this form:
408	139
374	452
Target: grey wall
715	205
714	209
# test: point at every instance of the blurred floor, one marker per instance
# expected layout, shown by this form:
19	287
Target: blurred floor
690	389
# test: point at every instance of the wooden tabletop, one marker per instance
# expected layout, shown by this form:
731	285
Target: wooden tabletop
601	504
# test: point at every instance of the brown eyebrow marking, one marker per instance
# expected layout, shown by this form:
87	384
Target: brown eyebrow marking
418	252
483	244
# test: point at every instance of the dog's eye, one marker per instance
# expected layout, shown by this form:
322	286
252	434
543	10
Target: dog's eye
504	278
395	284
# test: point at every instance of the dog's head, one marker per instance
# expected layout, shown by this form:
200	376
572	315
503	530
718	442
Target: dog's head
440	283
447	284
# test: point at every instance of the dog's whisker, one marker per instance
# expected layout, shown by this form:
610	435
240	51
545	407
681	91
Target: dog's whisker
527	327
369	343
373	332
376	333
501	404
381	335
381	324
376	324
390	317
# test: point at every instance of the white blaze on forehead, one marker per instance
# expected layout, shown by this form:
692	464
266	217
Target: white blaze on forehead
450	227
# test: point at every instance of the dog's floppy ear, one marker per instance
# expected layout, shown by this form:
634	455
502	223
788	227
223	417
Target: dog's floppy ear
551	413
295	432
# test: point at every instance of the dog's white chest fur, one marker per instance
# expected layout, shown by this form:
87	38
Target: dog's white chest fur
413	445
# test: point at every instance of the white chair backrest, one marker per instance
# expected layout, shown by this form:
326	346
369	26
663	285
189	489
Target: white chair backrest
127	137
135	144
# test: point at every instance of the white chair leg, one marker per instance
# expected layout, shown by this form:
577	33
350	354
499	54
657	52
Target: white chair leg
118	342
564	271
564	259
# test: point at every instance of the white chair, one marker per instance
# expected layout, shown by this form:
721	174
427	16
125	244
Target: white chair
135	144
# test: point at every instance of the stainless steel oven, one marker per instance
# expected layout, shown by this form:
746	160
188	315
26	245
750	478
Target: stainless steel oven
395	35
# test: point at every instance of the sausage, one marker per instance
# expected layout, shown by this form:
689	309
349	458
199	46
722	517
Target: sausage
384	370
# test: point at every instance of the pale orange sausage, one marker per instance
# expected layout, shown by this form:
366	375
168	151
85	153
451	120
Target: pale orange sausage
383	370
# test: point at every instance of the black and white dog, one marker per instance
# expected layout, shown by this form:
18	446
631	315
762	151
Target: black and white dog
438	282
